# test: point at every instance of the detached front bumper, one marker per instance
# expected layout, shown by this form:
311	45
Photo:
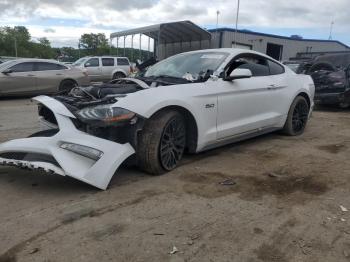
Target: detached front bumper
56	158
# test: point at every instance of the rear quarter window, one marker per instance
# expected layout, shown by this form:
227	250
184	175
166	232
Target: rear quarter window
122	61
275	69
108	61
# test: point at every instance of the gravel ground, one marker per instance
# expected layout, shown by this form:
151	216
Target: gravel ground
272	198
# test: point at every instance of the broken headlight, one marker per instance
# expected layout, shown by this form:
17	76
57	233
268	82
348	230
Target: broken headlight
105	115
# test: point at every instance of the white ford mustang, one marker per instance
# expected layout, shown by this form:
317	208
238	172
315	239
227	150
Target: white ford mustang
189	102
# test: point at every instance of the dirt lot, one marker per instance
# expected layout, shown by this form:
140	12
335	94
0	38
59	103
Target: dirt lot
273	198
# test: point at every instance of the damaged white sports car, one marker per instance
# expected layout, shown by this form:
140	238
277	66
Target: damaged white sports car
190	102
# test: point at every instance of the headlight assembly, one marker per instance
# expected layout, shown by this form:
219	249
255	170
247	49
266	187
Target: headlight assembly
105	114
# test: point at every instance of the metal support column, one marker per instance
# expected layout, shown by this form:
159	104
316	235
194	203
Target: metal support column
132	47
117	45
124	45
149	43
140	47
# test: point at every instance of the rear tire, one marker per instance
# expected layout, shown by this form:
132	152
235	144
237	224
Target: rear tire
162	143
67	85
118	75
297	117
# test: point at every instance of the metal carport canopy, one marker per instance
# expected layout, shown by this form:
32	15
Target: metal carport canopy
174	32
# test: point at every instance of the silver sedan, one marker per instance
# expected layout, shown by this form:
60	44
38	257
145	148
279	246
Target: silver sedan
37	76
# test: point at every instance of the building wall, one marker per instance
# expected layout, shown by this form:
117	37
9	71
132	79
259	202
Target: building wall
256	42
290	47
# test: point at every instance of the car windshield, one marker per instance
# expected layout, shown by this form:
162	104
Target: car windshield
189	66
6	64
79	62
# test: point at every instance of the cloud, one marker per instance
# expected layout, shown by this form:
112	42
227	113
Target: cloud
49	30
114	15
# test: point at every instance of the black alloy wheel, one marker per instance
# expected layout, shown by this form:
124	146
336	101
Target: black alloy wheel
172	143
300	116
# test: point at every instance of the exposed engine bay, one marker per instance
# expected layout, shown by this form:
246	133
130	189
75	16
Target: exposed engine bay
80	97
92	106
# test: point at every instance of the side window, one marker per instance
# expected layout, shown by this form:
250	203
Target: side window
122	61
44	66
256	64
92	62
275	69
23	67
108	61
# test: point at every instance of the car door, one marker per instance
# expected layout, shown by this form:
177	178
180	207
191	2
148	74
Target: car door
108	64
49	76
247	105
20	79
94	70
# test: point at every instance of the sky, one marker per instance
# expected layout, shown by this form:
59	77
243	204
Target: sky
63	21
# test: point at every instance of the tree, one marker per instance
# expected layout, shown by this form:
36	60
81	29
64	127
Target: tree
94	43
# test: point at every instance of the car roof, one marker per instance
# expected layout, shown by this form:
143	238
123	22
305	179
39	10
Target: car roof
105	56
36	60
233	52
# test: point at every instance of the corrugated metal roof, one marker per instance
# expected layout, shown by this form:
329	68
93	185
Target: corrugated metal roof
174	32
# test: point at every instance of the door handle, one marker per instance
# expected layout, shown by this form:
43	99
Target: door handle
59	74
271	87
30	75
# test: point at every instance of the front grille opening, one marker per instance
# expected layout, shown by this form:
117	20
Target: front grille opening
47	114
31	157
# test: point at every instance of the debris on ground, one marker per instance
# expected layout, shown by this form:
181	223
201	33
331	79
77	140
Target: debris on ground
274	175
34	250
304	247
190	242
194	237
175	250
228	182
343	220
344	209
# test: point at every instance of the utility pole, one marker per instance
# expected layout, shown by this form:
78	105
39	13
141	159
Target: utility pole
235	33
217	24
331	31
217	19
16	51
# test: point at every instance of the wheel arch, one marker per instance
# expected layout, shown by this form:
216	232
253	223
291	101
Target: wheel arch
191	125
118	71
306	96
67	79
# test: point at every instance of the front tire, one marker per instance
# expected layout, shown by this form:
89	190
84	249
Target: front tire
67	85
162	143
297	117
118	75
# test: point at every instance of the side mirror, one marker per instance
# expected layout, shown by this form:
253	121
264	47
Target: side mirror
7	71
239	74
87	64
